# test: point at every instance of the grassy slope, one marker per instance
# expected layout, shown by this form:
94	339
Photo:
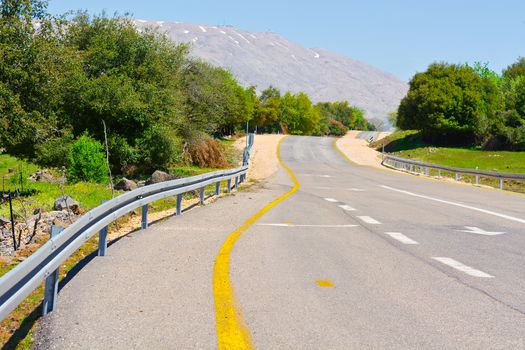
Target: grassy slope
408	144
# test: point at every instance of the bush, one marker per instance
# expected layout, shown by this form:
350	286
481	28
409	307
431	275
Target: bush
204	151
158	147
337	128
55	151
87	161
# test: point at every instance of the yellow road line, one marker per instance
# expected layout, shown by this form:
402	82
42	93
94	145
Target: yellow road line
324	283
232	332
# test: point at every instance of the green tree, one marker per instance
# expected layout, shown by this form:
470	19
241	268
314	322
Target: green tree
445	103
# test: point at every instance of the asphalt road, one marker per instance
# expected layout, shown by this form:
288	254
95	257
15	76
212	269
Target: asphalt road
357	258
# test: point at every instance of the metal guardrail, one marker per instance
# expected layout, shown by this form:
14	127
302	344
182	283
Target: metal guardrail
423	168
43	264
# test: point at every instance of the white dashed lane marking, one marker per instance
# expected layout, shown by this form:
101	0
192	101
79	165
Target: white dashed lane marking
346	207
401	238
463	268
369	220
331	200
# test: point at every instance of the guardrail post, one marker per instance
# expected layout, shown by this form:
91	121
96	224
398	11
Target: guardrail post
427	171
144	223
217	188
477	179
500	184
236	182
103	240
382	152
179	204
51	284
229	186
439	173
201	196
457	177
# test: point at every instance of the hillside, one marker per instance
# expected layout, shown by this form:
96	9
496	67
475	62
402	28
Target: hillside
264	59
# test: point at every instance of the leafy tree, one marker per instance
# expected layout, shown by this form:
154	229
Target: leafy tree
445	102
517	69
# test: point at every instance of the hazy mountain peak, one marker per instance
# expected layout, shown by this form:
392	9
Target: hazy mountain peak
266	58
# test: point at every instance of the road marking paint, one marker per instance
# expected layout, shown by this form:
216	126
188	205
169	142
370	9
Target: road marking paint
485	211
331	200
232	332
401	237
479	231
356	189
369	220
307	225
324	283
463	268
316	175
346	207
289	222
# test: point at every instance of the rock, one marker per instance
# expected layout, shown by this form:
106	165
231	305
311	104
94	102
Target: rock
65	202
160	176
42	175
126	185
141	183
4	222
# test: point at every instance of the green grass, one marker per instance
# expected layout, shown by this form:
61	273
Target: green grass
408	144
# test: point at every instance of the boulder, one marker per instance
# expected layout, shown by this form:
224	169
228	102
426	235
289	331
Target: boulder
125	185
160	176
4	222
65	202
42	176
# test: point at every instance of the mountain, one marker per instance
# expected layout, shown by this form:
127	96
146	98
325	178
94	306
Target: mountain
264	59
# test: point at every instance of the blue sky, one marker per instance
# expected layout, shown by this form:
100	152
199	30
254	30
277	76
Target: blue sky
399	36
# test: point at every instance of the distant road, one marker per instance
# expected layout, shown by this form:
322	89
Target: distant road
357	258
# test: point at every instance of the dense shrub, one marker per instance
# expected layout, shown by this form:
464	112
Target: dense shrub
337	128
204	151
159	147
54	152
87	161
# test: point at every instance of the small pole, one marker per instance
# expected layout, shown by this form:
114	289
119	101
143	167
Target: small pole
144	224
439	173
202	196
12	219
236	182
179	204
51	284
229	185
103	240
382	152
247	125
457	177
477	179
500	184
217	188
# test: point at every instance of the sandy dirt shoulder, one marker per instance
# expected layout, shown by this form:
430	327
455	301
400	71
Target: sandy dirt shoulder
263	160
357	150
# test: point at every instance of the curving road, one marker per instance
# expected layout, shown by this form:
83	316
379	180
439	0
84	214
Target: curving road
357	258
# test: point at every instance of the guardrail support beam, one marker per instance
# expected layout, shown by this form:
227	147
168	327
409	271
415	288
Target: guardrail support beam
179	204
217	188
236	182
103	240
477	179
201	196
229	185
457	177
144	224
500	184
439	173
51	284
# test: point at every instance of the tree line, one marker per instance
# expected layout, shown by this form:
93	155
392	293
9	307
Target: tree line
467	105
62	78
